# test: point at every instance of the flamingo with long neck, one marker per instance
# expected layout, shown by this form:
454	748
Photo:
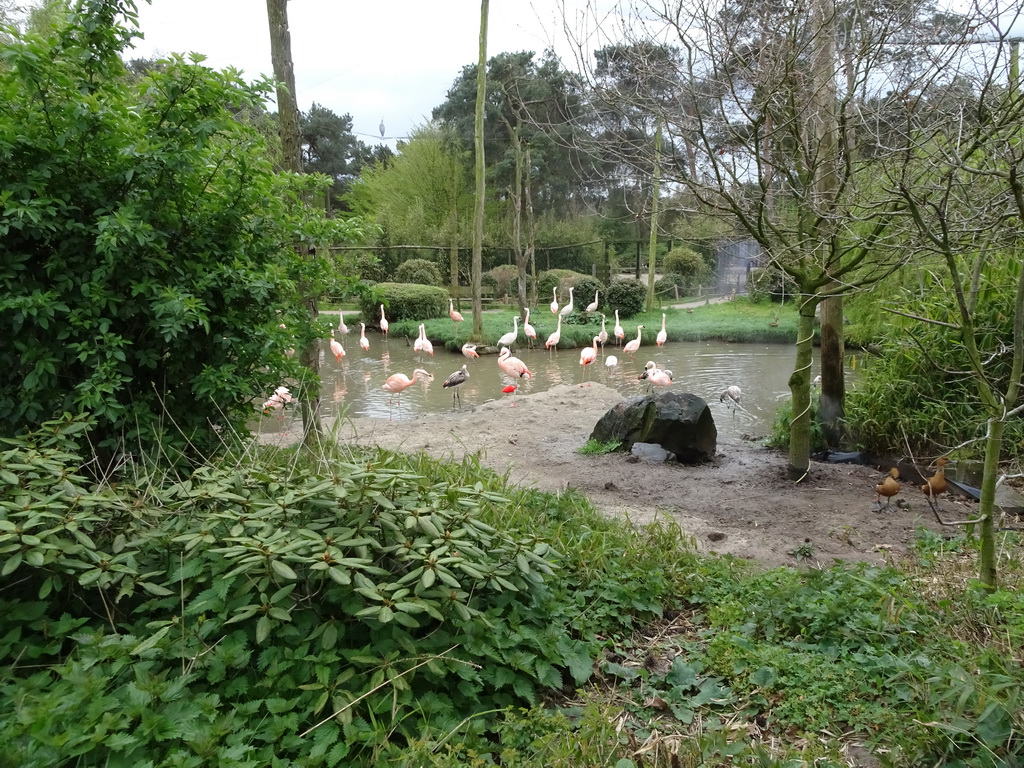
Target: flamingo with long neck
662	334
397	383
364	343
510	338
554	304
632	346
567	309
383	323
552	342
588	355
513	366
603	335
455	316
617	331
528	330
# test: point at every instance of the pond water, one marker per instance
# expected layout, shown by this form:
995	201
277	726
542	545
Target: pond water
353	384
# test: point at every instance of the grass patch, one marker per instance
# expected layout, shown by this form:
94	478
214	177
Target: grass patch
596	448
738	321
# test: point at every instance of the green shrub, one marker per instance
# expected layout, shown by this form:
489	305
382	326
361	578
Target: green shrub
770	284
504	279
419	271
560	278
627	296
148	274
668	285
688	265
404	301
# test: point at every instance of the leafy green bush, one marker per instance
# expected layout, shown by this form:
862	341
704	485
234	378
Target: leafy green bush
419	271
504	279
148	274
688	265
668	285
770	284
627	296
404	301
561	279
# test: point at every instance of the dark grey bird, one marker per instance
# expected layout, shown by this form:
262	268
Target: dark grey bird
453	381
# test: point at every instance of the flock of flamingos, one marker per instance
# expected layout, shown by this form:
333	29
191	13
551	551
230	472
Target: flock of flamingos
512	366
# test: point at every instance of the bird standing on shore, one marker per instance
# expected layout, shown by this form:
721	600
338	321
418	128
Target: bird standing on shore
567	309
510	338
936	484
453	382
528	330
592	306
452	313
888	488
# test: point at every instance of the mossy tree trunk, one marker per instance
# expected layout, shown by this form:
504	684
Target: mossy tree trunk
480	176
800	393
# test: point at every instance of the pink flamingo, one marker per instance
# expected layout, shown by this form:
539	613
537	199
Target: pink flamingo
364	343
336	349
510	338
383	323
552	342
342	328
513	366
397	383
632	346
588	355
662	334
469	350
425	345
528	330
655	376
554	304
592	306
567	309
603	335
456	316
617	330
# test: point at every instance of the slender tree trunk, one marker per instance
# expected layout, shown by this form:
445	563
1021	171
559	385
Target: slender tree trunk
987	559
478	143
291	151
652	245
453	226
531	228
800	392
833	382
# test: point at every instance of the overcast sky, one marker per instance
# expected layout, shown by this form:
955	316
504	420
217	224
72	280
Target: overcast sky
390	59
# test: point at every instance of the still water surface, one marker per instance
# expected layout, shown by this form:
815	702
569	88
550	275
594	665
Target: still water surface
703	368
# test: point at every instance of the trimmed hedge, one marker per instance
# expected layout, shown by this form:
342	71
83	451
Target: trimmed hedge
404	301
627	296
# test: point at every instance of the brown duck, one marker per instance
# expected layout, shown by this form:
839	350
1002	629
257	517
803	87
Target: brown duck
888	488
936	484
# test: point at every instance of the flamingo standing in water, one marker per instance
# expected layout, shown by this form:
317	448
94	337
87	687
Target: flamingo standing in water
425	345
603	335
528	330
513	366
733	393
592	306
662	335
336	349
632	346
342	328
611	361
383	323
469	350
455	316
552	342
510	338
554	304
453	382
617	330
588	355
567	309
364	343
397	383
655	376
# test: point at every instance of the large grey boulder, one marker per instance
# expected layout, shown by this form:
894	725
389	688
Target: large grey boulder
679	423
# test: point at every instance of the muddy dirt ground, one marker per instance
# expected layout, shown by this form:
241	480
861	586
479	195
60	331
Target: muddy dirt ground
740	503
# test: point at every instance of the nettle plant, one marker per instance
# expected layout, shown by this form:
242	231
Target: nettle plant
258	611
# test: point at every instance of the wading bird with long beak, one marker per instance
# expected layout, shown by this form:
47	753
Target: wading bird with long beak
510	338
469	350
554	304
383	323
592	306
662	334
453	382
632	346
552	342
397	383
617	331
603	335
731	393
513	366
588	355
342	328
455	316
529	331
567	309
425	345
337	350
364	343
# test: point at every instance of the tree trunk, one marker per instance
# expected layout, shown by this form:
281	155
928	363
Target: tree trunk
453	225
478	143
986	508
652	246
291	160
833	382
800	394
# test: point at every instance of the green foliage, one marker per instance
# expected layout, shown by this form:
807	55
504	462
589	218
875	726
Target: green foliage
419	271
770	284
504	279
404	301
562	279
689	265
147	250
627	296
783	423
915	392
596	447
